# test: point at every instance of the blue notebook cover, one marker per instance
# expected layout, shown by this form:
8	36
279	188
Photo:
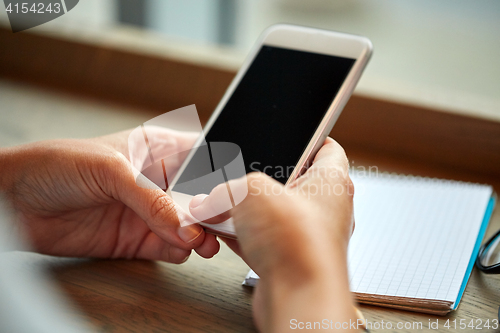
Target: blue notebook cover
482	231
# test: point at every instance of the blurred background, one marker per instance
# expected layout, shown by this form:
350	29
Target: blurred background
425	51
159	55
443	45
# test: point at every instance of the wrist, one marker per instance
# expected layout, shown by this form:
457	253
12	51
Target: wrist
322	301
313	257
314	265
319	292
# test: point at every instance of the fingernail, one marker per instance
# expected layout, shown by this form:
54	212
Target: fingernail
185	259
189	233
197	200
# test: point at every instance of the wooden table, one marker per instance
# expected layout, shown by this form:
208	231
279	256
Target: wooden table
140	296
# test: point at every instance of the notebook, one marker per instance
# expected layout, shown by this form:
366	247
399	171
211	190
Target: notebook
415	241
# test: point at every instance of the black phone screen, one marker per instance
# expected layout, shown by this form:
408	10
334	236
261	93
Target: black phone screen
274	112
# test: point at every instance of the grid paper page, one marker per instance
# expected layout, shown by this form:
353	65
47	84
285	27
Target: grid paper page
414	236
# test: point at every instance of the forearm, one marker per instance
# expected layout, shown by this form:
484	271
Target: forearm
319	302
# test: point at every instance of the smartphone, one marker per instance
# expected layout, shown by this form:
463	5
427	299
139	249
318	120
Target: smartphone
280	107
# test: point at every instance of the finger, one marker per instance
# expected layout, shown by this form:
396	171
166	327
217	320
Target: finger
186	140
164	142
332	157
155	248
331	153
216	207
209	247
213	208
154	206
167	149
330	165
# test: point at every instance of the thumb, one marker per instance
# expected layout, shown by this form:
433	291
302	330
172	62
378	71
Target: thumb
330	166
331	154
217	207
165	218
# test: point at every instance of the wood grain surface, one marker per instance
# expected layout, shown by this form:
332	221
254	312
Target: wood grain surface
140	296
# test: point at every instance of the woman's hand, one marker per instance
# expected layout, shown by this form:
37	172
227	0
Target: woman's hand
80	198
295	238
